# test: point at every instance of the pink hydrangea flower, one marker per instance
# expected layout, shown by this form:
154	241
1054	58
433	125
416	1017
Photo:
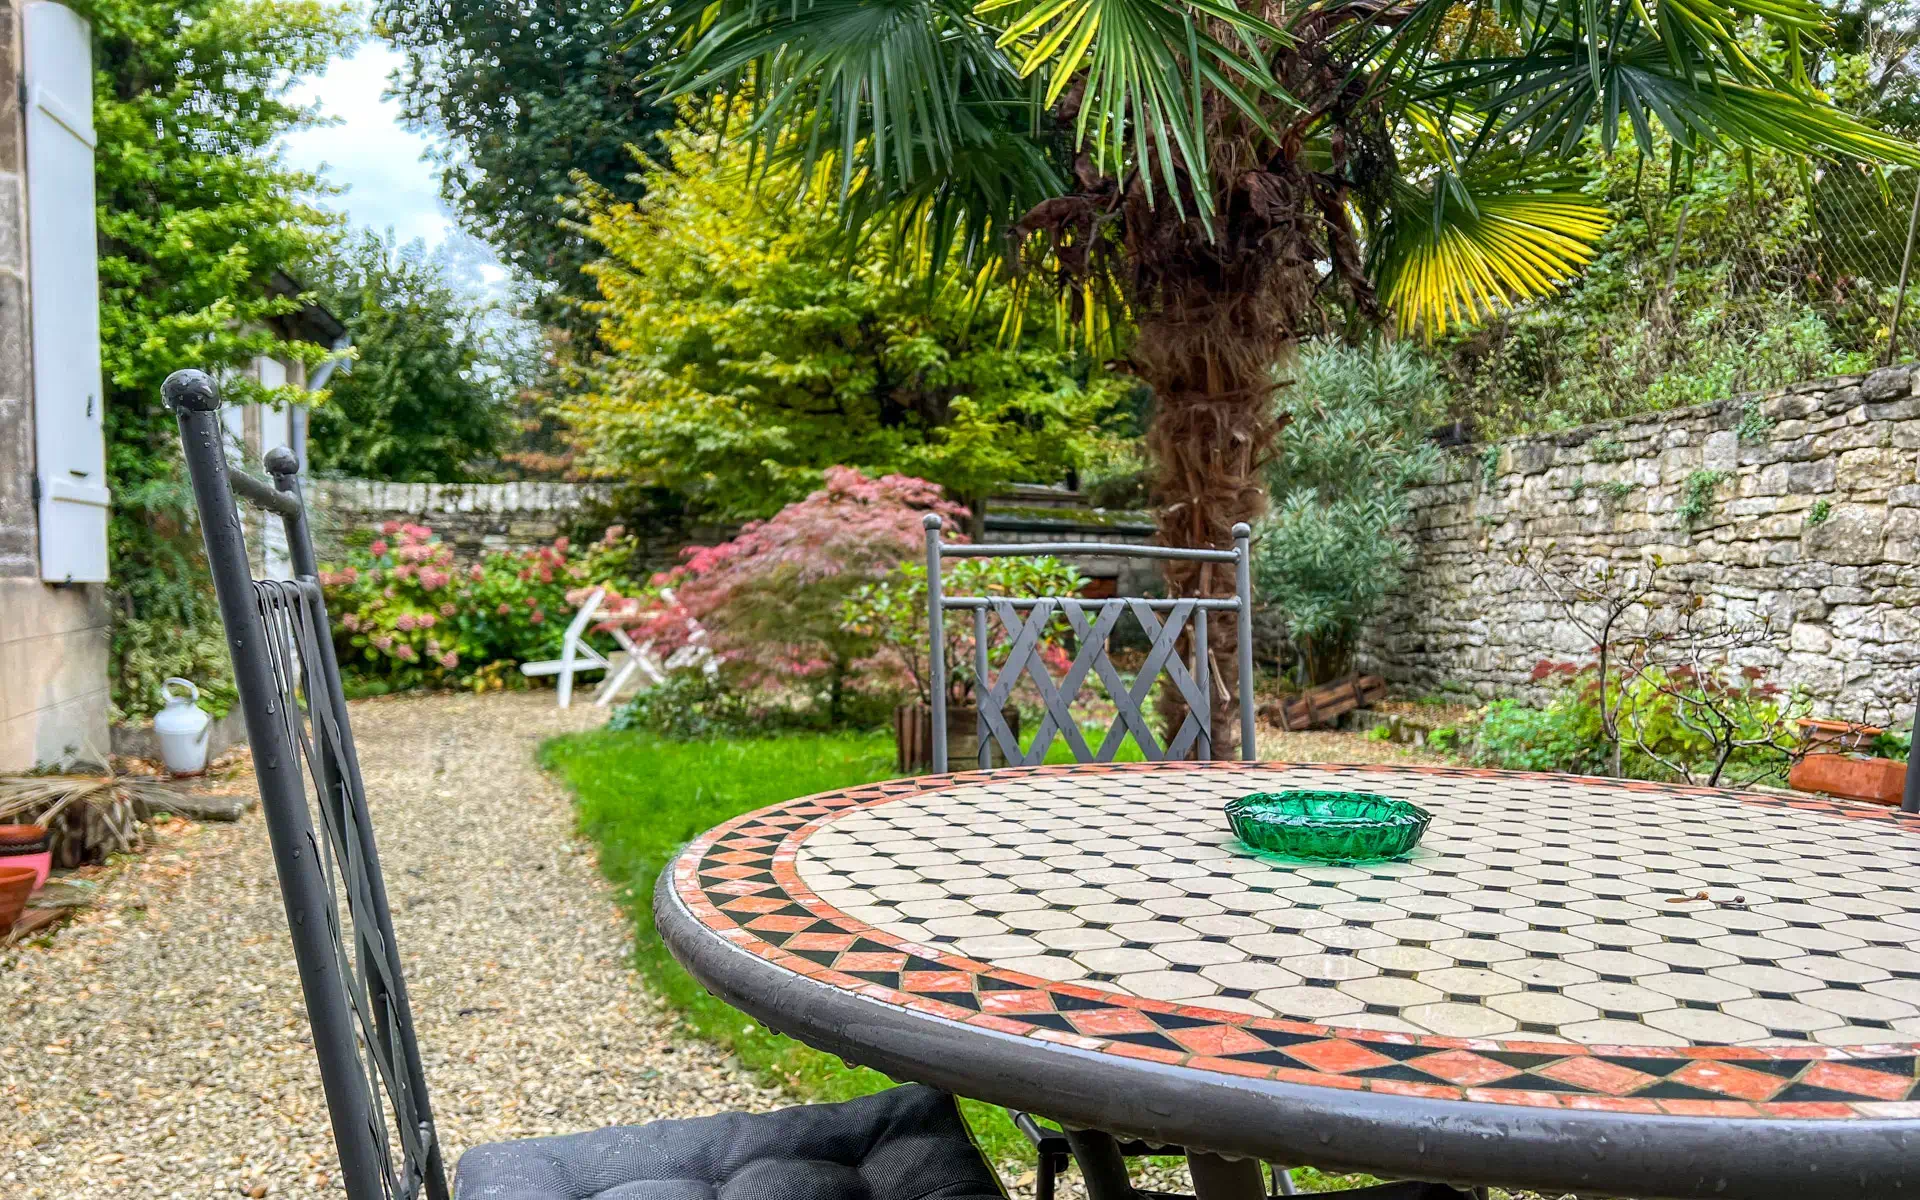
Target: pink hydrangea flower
537	616
382	641
475	573
504	608
449	660
390	528
424	621
408	653
404	623
378	547
447	610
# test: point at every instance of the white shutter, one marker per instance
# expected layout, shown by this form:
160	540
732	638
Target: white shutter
63	277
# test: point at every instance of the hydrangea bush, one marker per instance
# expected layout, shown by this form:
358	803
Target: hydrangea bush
406	615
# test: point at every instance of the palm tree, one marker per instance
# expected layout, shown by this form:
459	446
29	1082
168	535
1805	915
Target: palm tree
1226	176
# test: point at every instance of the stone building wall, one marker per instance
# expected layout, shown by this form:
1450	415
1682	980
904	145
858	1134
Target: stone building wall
53	638
1812	520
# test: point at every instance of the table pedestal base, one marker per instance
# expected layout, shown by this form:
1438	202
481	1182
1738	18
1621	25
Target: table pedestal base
1216	1178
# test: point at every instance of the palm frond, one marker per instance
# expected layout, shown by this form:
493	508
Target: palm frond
909	101
1144	65
1460	248
1553	96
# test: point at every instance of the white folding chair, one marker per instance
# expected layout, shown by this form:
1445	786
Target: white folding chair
642	660
576	654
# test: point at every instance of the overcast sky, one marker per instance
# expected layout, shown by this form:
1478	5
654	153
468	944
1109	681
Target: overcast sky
381	164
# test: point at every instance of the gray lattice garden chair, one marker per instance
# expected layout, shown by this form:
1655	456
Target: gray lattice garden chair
1093	623
907	1142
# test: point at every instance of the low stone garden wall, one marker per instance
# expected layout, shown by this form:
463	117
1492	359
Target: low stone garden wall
1801	505
473	517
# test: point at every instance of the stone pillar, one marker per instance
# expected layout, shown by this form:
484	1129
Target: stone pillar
53	640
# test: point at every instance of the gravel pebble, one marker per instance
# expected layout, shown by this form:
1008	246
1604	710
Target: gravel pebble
155	1047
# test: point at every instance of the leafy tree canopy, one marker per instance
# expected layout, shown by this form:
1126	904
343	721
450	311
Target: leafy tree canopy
196	213
1719	274
424	398
522	96
745	355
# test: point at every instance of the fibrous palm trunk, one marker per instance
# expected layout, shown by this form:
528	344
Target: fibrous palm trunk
1220	304
1210	435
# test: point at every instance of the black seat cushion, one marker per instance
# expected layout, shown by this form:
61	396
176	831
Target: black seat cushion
908	1143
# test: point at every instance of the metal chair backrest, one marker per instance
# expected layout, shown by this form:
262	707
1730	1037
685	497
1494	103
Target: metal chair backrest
1193	678
323	851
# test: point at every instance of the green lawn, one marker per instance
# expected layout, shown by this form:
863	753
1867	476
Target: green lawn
640	798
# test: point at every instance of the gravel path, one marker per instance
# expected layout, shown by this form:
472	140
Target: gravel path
155	1047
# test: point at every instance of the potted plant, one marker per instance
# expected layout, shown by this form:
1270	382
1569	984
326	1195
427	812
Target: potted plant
27	846
1855	762
16	884
892	612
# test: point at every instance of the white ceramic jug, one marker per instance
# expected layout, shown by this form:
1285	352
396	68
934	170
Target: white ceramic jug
182	726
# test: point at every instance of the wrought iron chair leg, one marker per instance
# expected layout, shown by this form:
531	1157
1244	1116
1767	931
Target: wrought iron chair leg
1282	1180
1043	1179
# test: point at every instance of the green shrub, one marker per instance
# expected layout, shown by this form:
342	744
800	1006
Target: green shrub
891	612
1564	736
1613	491
1818	514
1331	551
1669	716
690	706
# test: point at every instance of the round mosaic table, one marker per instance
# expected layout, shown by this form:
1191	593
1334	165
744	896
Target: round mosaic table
1571	985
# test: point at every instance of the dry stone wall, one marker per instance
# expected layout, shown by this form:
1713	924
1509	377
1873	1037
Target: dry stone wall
1801	506
472	517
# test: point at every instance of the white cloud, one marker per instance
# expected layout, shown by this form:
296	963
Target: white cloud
381	163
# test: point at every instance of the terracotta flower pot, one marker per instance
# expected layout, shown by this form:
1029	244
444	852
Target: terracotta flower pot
27	846
1839	735
16	884
1853	777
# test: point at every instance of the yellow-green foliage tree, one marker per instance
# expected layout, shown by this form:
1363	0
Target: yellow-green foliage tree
745	356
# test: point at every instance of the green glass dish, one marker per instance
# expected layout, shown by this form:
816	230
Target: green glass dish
1328	826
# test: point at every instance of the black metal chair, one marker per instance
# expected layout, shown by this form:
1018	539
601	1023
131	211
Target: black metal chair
906	1142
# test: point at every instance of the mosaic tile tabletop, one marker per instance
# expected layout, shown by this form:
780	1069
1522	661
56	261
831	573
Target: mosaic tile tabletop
1571	943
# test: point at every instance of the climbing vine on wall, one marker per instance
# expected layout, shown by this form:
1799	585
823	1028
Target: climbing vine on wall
197	216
